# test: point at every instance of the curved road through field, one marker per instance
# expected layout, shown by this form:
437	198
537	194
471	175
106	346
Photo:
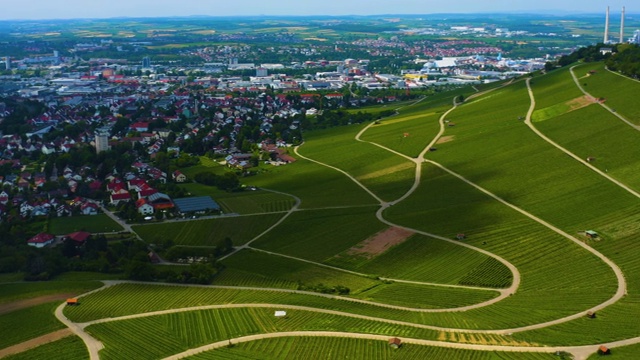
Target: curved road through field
581	352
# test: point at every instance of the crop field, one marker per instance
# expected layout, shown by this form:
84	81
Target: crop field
243	202
320	234
556	87
25	290
24	324
234	277
602	137
425	297
304	179
449	206
126	339
425	259
531	174
94	224
208	232
406	134
619	92
70	347
298	272
290	348
388	175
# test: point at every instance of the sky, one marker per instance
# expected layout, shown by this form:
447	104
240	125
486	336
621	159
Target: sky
70	9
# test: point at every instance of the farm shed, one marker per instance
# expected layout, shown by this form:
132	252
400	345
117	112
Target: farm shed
591	234
591	315
196	204
72	301
395	342
280	313
461	236
603	350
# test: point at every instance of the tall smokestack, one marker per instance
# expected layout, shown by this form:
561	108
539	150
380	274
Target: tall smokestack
622	26
606	27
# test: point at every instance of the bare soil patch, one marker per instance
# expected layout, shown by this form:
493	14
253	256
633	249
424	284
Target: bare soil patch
380	242
579	103
25	303
40	340
446	139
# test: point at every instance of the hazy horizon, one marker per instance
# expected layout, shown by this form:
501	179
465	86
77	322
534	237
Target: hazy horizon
75	9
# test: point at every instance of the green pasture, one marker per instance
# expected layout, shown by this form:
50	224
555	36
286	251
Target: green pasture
320	234
243	202
408	135
208	232
316	185
287	348
619	92
70	347
425	297
385	174
592	132
92	223
298	272
421	258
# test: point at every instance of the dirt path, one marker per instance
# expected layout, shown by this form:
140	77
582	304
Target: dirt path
25	303
30	344
577	81
579	352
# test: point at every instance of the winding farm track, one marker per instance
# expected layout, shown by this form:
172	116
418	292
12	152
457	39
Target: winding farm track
577	81
579	352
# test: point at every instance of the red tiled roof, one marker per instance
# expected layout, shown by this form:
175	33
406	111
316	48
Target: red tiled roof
41	238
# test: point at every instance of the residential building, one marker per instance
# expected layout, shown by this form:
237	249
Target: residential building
41	240
102	141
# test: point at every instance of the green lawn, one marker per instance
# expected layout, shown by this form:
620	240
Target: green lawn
94	224
208	232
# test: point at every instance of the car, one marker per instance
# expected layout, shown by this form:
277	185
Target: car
147	218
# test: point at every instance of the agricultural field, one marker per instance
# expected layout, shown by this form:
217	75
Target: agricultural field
24	290
70	347
618	91
243	202
421	258
28	323
425	297
100	223
294	271
602	137
289	348
406	134
320	234
304	179
388	175
208	232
